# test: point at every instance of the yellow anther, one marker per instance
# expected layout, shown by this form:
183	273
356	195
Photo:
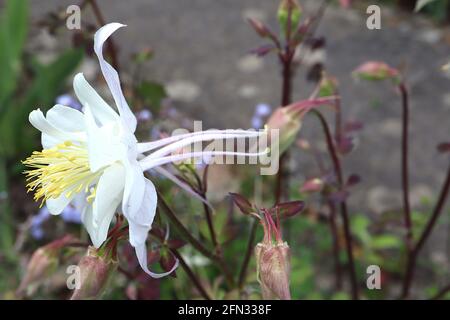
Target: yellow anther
60	170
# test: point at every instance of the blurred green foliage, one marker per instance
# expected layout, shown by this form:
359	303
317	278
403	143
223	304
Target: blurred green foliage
25	84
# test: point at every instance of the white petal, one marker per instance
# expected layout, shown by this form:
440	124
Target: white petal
135	187
56	206
111	75
97	233
66	118
141	253
87	95
87	218
147	211
52	134
108	195
104	145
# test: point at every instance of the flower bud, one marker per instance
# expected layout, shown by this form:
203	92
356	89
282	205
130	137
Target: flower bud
273	268
288	120
42	264
95	271
327	86
259	27
312	185
376	70
286	8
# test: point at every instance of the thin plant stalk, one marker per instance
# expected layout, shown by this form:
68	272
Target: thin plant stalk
248	253
412	257
343	205
441	294
405	166
192	276
193	241
101	21
335	235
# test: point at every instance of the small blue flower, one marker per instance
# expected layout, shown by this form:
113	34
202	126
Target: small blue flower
257	122
263	110
70	214
144	115
69	101
37	221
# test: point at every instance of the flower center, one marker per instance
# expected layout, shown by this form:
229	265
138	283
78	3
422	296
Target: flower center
63	169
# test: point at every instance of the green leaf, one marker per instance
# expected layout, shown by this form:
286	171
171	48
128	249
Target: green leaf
13	33
385	242
15	133
6	231
360	225
152	93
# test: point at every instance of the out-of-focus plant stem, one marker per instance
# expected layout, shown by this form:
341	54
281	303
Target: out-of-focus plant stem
193	241
282	176
335	236
405	167
412	257
203	188
111	45
191	275
441	293
248	253
410	252
343	205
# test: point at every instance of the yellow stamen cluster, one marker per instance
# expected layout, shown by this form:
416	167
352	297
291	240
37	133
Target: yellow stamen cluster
63	169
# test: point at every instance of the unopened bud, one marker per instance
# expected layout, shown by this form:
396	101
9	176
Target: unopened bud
259	27
312	185
287	125
375	71
289	9
273	268
327	86
288	120
95	271
42	264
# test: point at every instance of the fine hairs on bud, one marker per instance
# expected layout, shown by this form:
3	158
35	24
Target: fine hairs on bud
96	270
273	261
274	269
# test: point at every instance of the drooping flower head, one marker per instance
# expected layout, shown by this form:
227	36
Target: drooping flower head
92	158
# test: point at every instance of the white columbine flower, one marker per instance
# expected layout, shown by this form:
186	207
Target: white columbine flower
94	156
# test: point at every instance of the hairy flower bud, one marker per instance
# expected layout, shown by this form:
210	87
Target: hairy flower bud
95	271
273	255
42	264
292	9
273	268
312	185
375	71
259	27
288	120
